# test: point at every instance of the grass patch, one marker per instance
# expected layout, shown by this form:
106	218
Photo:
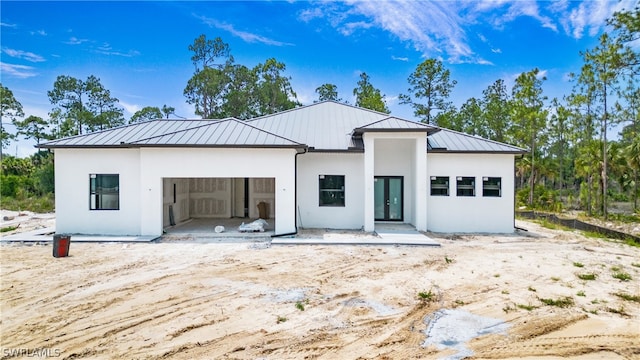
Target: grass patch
532	289
562	302
628	297
616	268
619	311
580	293
281	319
508	308
505	292
8	228
40	204
593	234
526	307
635	265
622	276
448	260
555	278
578	264
587	276
427	296
300	306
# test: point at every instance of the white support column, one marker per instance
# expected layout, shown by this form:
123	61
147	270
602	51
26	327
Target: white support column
369	165
421	183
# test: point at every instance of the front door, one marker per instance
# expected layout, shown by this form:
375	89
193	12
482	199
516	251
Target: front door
388	198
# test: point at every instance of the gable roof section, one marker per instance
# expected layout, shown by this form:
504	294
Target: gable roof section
327	125
450	141
394	124
223	133
177	133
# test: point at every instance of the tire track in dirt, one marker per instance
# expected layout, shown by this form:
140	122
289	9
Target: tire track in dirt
534	337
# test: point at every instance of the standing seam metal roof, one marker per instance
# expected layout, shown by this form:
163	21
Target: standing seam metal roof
227	132
326	126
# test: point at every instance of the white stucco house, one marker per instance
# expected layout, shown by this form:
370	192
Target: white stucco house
326	165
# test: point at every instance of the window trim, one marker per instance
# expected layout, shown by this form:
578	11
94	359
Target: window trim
95	193
439	186
321	190
498	187
464	186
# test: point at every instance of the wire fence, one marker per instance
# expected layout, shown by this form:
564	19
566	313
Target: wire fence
579	225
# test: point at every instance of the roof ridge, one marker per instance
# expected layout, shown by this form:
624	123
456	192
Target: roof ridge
267	132
121	127
397	118
315	104
213	121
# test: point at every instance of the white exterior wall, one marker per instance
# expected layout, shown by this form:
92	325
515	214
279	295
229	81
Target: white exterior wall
311	214
72	170
471	214
158	163
141	173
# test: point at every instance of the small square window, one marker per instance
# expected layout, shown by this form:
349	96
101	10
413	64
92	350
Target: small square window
331	190
491	186
104	192
440	185
466	186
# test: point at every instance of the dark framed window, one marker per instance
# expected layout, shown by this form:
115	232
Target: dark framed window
104	192
466	186
331	190
492	186
440	185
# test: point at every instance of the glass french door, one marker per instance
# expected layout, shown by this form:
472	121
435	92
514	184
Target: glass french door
388	193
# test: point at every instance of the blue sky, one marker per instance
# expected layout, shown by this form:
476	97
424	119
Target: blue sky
139	49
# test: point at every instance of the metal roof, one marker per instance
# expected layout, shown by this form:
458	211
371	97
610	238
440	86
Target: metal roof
395	124
324	126
222	133
447	140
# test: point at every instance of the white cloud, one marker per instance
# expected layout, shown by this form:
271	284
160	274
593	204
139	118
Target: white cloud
19	71
432	27
75	41
25	55
542	74
106	49
349	28
590	16
130	108
13	26
502	12
244	35
39	32
310	14
496	51
399	58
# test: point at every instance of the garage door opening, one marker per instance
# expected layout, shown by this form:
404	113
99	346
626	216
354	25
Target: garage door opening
198	205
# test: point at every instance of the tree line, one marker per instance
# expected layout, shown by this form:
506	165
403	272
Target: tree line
572	159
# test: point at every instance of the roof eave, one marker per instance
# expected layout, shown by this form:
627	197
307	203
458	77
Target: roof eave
445	151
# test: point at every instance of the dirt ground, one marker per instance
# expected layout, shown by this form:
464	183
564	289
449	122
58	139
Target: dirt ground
185	300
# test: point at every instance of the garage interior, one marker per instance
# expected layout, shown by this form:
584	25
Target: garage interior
197	205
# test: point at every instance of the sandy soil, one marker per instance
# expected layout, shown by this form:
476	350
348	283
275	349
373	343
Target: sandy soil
184	300
24	221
